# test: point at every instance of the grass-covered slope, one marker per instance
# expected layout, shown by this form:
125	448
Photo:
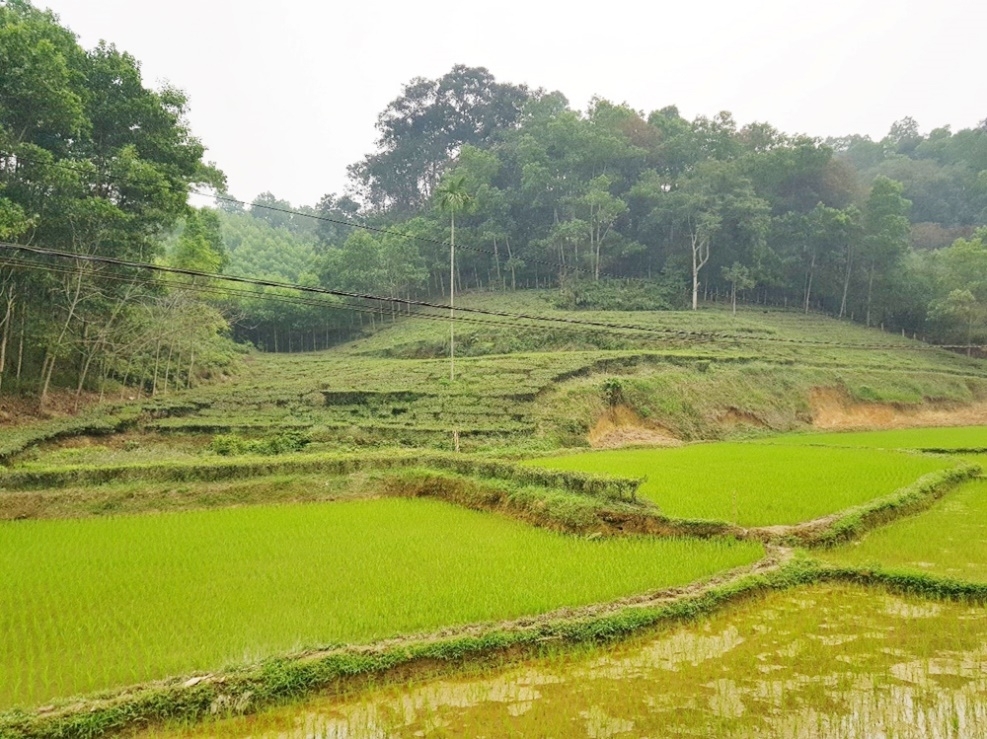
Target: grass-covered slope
529	385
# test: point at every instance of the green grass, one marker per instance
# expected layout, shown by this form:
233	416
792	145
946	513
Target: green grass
824	661
959	437
948	540
756	484
96	603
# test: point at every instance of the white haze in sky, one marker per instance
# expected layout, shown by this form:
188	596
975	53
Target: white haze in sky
286	94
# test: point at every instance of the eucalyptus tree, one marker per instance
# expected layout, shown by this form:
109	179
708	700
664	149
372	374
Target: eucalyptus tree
740	277
886	229
91	162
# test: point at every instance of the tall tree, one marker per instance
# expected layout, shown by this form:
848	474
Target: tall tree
422	130
451	197
886	228
91	162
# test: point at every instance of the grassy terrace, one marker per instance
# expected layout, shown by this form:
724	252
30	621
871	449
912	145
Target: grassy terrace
538	386
102	602
523	387
756	484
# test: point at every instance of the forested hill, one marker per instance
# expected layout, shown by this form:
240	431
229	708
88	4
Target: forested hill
880	232
673	212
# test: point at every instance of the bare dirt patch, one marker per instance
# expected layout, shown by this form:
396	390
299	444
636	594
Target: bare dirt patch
18	410
620	426
734	418
834	410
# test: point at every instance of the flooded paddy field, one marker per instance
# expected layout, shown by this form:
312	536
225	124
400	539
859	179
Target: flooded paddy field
824	661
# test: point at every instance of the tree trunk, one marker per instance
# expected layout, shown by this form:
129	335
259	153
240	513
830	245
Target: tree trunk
870	291
497	264
700	255
76	296
5	337
846	281
157	360
83	373
47	368
20	344
171	350
808	281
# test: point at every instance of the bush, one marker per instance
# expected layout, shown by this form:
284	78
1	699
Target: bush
232	445
664	293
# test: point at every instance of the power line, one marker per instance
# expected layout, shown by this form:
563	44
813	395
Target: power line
314	216
285	299
327	291
422	304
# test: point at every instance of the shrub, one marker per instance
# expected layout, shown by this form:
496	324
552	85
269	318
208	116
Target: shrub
232	445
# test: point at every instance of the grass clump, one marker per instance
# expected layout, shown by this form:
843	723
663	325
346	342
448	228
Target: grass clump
232	445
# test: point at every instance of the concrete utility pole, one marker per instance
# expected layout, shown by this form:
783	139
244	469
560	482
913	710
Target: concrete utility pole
452	297
452	196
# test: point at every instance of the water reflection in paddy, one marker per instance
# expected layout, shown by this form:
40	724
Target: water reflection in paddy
821	662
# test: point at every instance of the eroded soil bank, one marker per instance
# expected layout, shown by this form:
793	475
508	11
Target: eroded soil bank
834	410
830	409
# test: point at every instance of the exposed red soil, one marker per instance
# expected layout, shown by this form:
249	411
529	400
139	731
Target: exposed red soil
621	426
834	410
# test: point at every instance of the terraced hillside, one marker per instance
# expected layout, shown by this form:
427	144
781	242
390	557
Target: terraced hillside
625	377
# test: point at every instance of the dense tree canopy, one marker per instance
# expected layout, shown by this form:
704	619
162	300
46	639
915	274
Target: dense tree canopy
561	196
94	163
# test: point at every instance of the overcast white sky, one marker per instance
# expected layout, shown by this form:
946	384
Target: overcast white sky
285	94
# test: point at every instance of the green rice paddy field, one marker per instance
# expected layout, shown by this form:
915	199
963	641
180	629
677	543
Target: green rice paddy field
818	663
97	603
756	484
949	540
101	602
950	438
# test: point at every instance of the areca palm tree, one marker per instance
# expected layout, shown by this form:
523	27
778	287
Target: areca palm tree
451	196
